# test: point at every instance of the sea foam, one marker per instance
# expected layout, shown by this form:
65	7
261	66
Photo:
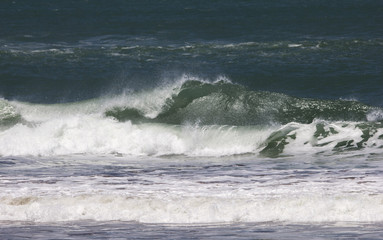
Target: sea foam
168	209
92	135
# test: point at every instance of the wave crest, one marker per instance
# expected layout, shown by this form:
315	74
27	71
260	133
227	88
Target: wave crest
223	102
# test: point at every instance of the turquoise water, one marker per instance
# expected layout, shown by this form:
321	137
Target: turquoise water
260	118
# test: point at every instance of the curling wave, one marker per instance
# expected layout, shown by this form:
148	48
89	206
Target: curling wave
191	117
223	102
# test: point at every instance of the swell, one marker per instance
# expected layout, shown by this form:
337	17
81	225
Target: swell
51	72
120	46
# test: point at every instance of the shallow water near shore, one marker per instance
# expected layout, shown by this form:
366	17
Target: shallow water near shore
131	230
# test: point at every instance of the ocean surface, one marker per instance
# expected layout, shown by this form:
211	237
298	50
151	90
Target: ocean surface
191	119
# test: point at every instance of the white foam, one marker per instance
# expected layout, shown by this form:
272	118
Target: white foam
96	135
7	110
130	47
375	115
184	209
69	133
294	45
154	190
235	45
305	142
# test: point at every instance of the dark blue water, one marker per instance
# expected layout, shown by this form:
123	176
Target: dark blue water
72	50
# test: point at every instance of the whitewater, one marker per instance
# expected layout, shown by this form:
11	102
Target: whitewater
170	120
154	157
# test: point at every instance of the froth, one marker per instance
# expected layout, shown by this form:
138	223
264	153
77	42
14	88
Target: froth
375	115
94	135
167	209
7	111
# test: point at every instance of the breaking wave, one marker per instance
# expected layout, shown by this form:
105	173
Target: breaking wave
191	117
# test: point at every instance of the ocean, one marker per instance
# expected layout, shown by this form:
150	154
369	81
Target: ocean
191	119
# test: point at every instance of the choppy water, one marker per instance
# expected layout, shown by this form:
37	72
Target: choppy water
244	119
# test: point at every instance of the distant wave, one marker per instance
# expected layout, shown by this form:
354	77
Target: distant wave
119	47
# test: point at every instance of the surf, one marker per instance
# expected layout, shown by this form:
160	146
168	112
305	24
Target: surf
191	117
194	209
